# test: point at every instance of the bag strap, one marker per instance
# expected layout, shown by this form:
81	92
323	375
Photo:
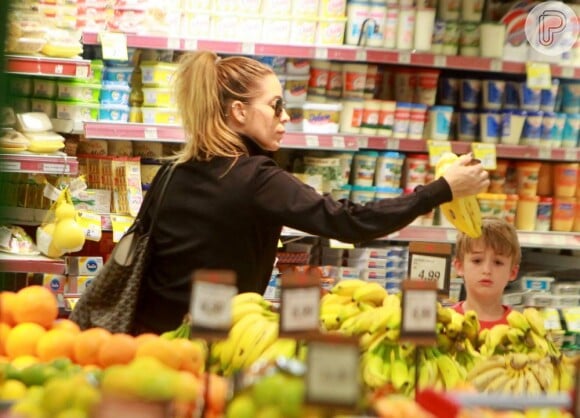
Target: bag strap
168	173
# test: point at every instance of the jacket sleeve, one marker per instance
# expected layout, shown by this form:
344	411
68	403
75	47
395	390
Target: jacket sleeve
283	199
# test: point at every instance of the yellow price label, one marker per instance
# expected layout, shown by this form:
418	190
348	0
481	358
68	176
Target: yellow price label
485	153
114	46
436	150
91	223
121	224
539	75
280	245
340	245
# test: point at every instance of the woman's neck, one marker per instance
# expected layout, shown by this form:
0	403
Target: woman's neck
486	310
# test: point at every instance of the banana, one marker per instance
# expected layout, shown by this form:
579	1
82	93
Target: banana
333	298
518	361
373	370
516	336
330	322
383	315
498	384
482	337
427	373
533	387
347	311
247	297
399	372
371	292
444	343
237	332
364	321
483	380
282	347
392	299
449	371
365	307
495	337
540	345
370	341
240	310
485	365
517	320
269	337
347	287
536	321
443	314
520	384
246	348
470	327
455	327
566	378
331	308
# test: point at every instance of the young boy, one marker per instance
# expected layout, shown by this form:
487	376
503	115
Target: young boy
487	264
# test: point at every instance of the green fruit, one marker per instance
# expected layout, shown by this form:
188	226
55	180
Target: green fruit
58	395
268	390
11	372
28	409
241	407
72	413
62	363
37	374
269	412
86	397
161	386
292	398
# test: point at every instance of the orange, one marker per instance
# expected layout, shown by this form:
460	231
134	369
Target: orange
56	343
4	330
192	354
7	300
87	345
162	350
119	349
67	325
35	304
148	336
22	339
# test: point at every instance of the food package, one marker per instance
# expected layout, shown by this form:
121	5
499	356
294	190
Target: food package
14	240
12	141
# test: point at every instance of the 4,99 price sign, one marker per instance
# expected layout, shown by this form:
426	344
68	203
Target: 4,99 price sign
299	309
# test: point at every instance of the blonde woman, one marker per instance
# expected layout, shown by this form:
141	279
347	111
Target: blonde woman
227	201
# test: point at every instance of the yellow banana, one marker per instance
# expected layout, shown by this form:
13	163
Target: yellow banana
533	386
443	314
485	365
427	373
332	298
498	384
236	334
269	336
392	299
517	320
249	341
495	337
518	361
240	310
471	327
364	321
331	308
371	292
516	336
282	347
383	316
536	321
247	297
520	384
454	328
399	372
330	322
347	287
483	380
481	339
566	378
449	371
373	370
347	311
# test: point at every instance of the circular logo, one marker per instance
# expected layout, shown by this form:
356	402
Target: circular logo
552	28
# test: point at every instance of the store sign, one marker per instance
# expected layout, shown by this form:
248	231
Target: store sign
299	305
429	261
419	312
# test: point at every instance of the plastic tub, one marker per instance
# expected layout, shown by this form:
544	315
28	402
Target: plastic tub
43	105
364	165
389	169
161	115
570	131
416	166
305	8
548	96
362	194
20	86
296	114
530	98
334	83
449	91
548	123
491	204
528	172
370	117
563	214
321	117
468	126
532	132
296	88
512	125
402	120
470	93
158	96
510	208
354	80
426	86
490	126
544	214
526	213
319	72
43	88
303	31
113	113
82	92
351	116
565	179
330	31
276	29
298	66
115	94
118	74
492	94
157	73
417	121
439	123
537	283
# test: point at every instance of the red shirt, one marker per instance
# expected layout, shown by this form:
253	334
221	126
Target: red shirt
486	324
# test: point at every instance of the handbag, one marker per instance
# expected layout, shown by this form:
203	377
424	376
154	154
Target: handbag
111	300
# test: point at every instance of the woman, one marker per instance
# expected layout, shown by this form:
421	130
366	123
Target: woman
228	200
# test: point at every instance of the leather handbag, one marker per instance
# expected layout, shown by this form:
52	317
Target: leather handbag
111	300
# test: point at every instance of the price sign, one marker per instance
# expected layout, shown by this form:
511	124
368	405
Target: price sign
393	144
485	153
91	223
190	44
436	150
211	302
311	141
539	75
361	55
120	225
568	72
338	142
430	262
321	53
571	154
150	132
440	61
332	377
419	316
114	46
496	65
404	57
363	142
173	43
82	71
70	301
299	304
248	48
341	245
544	152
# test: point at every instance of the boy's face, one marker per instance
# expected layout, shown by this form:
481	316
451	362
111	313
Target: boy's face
485	273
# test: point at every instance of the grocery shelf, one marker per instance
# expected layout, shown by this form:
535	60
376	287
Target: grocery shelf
568	240
337	53
49	67
30	264
337	142
59	163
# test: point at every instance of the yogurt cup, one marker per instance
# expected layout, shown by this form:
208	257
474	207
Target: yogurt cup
565	179
545	180
402	120
491	204
405	85
532	131
362	194
351	116
544	214
342	193
510	208
387	117
346	158
511	96
438	123
319	71
492	94
388	169
563	214
388	192
527	174
417	121
512	125
470	92
370	118
449	91
526	213
416	167
570	131
353	80
468	126
558	130
426	86
548	123
490	126
364	165
571	97
548	97
334	83
529	97
497	177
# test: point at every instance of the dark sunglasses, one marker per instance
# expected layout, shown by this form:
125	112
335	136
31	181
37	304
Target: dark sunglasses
278	107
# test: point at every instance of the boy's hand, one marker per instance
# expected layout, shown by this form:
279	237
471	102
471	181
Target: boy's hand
466	177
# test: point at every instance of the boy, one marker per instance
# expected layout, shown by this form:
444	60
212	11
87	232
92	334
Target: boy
487	264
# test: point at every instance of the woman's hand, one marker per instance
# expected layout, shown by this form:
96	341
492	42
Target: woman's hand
466	177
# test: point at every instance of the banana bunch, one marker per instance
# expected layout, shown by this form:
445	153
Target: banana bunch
519	374
462	212
182	331
254	331
389	364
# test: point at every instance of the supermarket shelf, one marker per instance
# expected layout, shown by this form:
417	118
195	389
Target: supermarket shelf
169	133
30	264
59	163
50	67
568	240
338	53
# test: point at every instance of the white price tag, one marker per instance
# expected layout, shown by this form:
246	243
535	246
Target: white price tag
338	142
300	308
55	168
150	132
496	65
393	144
248	48
486	153
9	166
321	53
545	153
429	268
114	46
436	150
539	75
211	305
51	192
440	61
81	71
420	311
361	55
363	142
190	44
333	374
59	69
173	43
333	243
571	154
311	141
404	57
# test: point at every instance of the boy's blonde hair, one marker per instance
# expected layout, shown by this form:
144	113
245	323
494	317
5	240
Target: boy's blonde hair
498	234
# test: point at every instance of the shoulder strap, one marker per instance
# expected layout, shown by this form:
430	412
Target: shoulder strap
168	173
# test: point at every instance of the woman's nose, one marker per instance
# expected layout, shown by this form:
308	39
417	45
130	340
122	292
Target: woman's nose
284	117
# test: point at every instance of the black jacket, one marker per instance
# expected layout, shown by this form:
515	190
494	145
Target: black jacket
219	216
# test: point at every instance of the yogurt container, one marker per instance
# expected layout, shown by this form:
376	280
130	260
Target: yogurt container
388	192
512	124
370	118
120	74
490	126
321	117
364	165
570	131
548	97
296	114
113	113
497	177
351	115
353	80
449	91
298	66
544	214
563	214
416	167
78	111
527	174
318	80
402	119
387	118
426	86
21	86
565	179
532	131
296	88
492	94
530	98
491	204
417	121
82	92
43	105
526	213
357	12
438	123
388	169
548	123
558	130
545	180
468	126
510	208
334	83
512	95
470	92
362	194
114	93
571	97
343	193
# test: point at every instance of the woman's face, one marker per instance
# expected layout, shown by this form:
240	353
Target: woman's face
265	116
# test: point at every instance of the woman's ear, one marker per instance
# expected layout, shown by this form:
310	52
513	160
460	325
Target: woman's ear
238	111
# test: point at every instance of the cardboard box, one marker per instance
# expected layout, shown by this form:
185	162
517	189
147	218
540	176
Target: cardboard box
56	283
78	284
83	266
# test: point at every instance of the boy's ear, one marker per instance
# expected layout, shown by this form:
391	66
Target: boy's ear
458	266
514	272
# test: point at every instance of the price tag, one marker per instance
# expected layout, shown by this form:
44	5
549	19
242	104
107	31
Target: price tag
58	69
419	316
82	71
55	168
150	132
299	309
190	44
91	223
363	142
430	262
361	55
428	268
311	141
9	166
120	225
51	192
280	245
551	319
332	377
440	61
70	301
539	75
340	245
404	57
393	144
571	154
173	43
496	65
544	152
320	53
114	46
211	301
436	150
338	142
485	153
248	48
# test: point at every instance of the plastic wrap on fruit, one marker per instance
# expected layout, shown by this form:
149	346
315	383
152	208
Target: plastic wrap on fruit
14	240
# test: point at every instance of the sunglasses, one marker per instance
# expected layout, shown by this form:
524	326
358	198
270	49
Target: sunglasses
278	107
